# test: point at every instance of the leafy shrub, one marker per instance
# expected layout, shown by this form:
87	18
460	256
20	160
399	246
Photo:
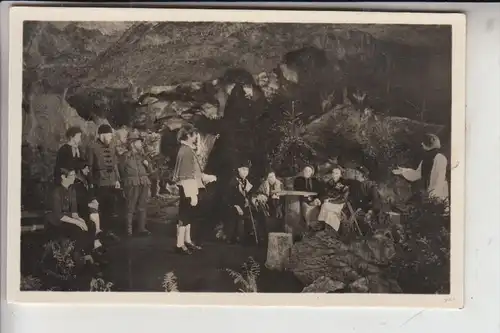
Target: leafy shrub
423	261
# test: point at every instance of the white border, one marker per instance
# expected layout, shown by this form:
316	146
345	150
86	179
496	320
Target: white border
19	14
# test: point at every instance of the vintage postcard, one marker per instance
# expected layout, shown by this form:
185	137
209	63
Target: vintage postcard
236	157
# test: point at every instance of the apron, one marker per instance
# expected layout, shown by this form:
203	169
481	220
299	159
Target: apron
331	214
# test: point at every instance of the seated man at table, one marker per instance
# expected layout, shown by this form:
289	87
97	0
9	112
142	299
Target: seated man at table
334	199
309	206
269	205
364	195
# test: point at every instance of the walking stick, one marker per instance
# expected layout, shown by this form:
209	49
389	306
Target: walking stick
253	225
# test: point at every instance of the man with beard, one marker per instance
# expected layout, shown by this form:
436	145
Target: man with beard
104	174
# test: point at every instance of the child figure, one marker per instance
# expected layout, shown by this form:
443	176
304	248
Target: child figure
238	204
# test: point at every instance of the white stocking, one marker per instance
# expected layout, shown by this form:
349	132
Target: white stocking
187	237
181	234
94	217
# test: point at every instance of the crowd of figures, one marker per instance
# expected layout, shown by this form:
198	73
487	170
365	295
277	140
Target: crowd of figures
87	184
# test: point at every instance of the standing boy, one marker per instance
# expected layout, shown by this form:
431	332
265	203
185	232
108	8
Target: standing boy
134	171
104	173
191	181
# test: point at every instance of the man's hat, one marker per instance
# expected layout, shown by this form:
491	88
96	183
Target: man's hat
104	129
134	136
244	163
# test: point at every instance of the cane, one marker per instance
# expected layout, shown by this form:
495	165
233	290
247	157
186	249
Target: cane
253	225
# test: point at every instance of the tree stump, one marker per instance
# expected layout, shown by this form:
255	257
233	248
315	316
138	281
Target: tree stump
278	250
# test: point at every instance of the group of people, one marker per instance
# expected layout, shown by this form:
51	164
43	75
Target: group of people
87	186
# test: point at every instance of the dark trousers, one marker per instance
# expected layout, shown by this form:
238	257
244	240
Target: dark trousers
236	225
193	215
136	198
107	197
84	240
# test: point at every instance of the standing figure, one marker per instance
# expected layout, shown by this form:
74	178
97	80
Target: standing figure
135	168
309	206
191	182
334	199
104	174
267	197
70	154
432	170
239	214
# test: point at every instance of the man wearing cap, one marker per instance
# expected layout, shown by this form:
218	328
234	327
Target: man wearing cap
189	177
364	195
134	171
104	174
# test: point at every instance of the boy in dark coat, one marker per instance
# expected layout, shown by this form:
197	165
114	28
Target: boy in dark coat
104	174
237	201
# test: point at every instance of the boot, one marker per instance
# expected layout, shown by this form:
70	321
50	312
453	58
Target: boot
181	247
130	221
142	224
187	239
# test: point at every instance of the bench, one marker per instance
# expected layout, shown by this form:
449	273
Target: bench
32	221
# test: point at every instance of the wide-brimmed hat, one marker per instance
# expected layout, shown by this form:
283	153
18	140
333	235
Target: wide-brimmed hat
104	129
133	136
244	163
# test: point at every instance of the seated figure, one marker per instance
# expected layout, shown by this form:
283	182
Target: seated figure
333	200
269	205
65	222
309	206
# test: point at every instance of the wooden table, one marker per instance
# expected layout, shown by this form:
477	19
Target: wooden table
294	223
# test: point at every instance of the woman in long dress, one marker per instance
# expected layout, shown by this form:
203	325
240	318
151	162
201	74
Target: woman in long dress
309	206
432	170
334	200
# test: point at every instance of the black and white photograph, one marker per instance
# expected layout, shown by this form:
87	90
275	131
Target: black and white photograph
210	151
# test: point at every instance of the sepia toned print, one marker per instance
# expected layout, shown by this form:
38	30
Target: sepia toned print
241	155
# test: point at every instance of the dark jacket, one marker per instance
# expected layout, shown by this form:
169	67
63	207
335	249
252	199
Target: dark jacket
63	204
103	162
133	172
315	185
364	195
84	195
336	192
66	160
234	196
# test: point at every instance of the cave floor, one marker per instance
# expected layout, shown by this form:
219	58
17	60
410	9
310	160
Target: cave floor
140	263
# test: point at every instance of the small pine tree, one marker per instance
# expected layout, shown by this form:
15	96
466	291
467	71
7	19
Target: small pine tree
292	151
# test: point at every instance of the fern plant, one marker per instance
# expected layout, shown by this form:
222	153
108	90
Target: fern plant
99	284
170	282
30	283
61	257
247	278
